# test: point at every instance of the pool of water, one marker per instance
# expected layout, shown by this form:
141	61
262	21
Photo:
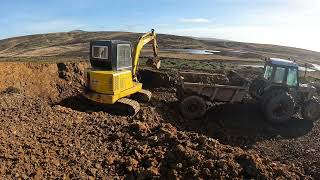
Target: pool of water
193	51
316	66
252	65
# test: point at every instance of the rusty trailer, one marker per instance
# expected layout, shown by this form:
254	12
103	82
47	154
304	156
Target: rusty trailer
195	97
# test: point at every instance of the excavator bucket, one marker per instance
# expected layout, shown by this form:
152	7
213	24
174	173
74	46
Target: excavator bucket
154	63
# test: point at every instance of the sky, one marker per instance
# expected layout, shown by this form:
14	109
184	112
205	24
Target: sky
292	23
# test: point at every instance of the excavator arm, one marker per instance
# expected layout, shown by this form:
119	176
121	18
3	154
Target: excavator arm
143	40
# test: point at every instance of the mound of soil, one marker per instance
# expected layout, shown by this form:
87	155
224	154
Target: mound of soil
48	81
59	134
39	140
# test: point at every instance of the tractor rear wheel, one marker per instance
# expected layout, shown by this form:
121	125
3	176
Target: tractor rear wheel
311	110
280	108
193	107
268	95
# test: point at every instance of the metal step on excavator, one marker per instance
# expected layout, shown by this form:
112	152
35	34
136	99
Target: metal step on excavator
112	79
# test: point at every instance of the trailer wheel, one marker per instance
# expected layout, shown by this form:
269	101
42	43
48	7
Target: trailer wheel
280	108
193	107
311	110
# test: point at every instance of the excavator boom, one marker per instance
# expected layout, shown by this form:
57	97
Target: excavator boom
143	40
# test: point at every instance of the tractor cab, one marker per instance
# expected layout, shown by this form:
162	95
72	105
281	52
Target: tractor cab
110	55
281	72
281	95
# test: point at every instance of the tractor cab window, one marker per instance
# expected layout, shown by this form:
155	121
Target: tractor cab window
292	78
100	52
268	72
279	75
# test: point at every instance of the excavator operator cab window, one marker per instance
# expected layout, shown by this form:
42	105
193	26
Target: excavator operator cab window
100	52
124	59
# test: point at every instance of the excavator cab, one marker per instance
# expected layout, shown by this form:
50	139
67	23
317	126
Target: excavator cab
110	55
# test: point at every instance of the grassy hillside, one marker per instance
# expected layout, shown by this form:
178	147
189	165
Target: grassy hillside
75	44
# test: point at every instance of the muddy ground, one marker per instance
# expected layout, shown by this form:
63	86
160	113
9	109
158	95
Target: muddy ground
48	131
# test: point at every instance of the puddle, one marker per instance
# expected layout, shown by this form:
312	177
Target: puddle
316	67
193	51
306	69
240	52
252	65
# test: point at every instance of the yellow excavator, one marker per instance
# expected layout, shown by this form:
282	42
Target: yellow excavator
112	79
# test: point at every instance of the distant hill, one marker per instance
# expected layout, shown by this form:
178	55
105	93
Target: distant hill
75	44
77	31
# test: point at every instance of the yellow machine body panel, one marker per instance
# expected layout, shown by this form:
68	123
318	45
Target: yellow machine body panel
110	82
109	86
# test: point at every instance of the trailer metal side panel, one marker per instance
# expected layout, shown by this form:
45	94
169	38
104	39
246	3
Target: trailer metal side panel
218	93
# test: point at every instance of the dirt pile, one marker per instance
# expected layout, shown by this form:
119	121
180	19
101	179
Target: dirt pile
43	141
60	135
205	78
153	78
166	152
172	78
30	79
48	81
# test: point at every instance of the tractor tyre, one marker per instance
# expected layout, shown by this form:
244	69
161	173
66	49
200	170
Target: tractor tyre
268	95
311	110
256	88
193	107
280	108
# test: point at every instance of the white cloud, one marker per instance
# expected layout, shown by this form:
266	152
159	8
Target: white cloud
301	37
293	23
194	20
